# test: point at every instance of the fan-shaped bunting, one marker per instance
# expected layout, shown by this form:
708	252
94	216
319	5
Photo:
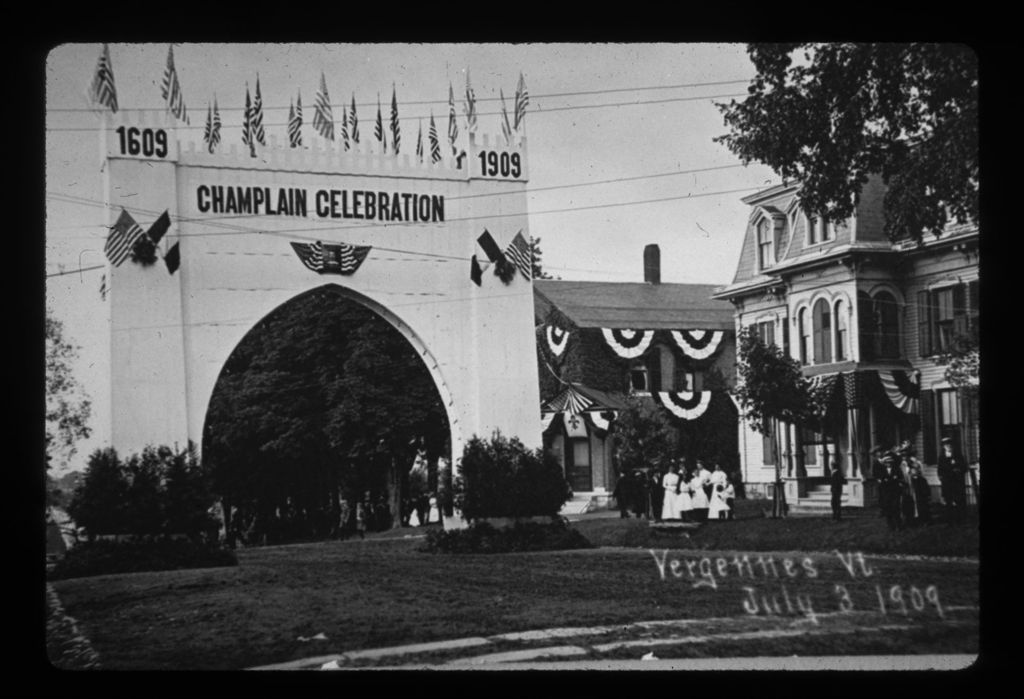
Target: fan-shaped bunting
557	339
688	405
698	344
628	344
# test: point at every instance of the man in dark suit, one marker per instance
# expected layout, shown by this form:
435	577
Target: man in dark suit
952	468
837	481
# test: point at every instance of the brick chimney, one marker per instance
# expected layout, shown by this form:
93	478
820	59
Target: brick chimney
652	264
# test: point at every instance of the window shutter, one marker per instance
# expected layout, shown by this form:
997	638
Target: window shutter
973	306
928	426
866	323
959	311
924	324
769	334
785	336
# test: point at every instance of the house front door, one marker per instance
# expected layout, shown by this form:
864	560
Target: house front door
580	476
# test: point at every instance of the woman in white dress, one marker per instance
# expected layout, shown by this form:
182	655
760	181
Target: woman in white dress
699	499
719	508
670	482
684	501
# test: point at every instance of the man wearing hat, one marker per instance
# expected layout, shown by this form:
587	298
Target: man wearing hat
889	490
952	468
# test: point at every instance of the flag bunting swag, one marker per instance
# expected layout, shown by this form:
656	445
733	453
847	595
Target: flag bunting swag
687	405
331	258
557	339
628	344
698	344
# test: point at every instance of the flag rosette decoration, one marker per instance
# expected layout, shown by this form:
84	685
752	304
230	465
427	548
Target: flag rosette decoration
628	344
686	405
698	344
557	339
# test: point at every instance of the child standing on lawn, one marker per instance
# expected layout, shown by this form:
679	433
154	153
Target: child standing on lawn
730	497
718	508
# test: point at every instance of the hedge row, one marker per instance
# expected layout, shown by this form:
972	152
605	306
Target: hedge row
105	557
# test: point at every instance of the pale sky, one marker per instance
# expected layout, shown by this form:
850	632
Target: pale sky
637	113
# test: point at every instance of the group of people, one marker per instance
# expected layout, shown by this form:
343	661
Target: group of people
904	492
677	494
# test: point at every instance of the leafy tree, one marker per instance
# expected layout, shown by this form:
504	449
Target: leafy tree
144	502
67	408
643	435
187	497
537	265
500	477
320	401
829	115
773	392
99	503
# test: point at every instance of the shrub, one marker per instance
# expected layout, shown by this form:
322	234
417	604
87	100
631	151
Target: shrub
523	536
106	557
502	478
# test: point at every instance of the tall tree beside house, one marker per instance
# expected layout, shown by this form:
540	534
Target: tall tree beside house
67	408
773	392
537	265
906	112
99	504
643	436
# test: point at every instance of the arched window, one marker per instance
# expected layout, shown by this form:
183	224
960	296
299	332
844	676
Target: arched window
842	328
803	328
887	326
822	317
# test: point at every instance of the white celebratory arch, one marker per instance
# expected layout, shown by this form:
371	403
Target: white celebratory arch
234	217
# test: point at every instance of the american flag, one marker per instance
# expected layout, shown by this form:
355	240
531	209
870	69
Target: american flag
171	89
295	124
453	128
215	129
247	138
353	121
506	128
522	99
378	129
435	147
519	252
123	235
208	129
396	136
419	143
103	90
259	135
323	118
344	127
330	258
470	106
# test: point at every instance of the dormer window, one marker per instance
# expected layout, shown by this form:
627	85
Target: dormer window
765	244
769	230
819	230
639	379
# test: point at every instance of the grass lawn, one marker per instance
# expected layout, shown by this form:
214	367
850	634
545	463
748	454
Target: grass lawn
385	592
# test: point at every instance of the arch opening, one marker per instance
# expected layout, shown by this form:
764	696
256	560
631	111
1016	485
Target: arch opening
328	401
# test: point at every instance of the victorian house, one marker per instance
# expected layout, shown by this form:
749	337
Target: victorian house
866	318
600	342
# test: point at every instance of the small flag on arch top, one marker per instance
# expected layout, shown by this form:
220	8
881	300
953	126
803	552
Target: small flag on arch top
323	118
470	107
211	134
103	90
522	99
257	116
519	252
506	128
123	235
378	129
295	123
453	128
247	135
171	89
435	147
396	136
353	122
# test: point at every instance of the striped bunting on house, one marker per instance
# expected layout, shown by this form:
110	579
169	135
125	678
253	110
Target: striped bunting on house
546	421
557	339
698	344
901	389
600	422
628	344
688	405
